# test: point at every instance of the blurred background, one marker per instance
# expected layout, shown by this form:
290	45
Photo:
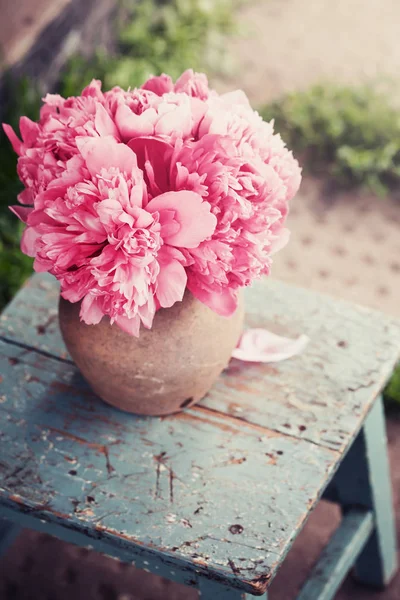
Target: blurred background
328	73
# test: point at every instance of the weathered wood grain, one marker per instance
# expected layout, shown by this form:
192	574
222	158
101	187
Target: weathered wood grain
222	489
322	395
210	590
32	317
204	488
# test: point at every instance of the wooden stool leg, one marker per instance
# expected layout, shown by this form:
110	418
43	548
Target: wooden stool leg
363	479
211	590
8	532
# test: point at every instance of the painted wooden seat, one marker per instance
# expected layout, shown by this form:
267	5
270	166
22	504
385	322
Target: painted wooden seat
215	496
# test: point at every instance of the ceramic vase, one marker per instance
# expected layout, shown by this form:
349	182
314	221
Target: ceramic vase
167	368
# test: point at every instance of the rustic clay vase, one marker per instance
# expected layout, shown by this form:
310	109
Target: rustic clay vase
169	367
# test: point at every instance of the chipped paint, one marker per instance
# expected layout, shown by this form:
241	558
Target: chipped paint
267	439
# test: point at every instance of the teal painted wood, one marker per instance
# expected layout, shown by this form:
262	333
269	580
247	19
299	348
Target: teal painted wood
173	486
364	480
339	556
32	316
140	557
322	395
170	491
210	590
8	533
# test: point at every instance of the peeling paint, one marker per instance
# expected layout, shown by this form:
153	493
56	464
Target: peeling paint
222	488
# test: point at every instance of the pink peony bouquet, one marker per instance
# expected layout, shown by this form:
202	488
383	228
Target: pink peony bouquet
132	197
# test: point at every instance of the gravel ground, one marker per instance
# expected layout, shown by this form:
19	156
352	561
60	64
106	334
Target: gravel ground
291	44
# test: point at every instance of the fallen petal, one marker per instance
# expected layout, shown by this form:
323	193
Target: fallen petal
261	345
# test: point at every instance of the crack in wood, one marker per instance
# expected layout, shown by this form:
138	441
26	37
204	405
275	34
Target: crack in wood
101	448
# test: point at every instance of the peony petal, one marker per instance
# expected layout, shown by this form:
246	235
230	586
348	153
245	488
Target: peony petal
131	326
14	139
93	90
161	84
261	345
199	109
171	281
158	153
223	302
26	196
91	312
41	265
169	225
235	97
147	311
29	131
22	212
131	125
28	241
193	84
281	241
191	212
104	123
105	152
176	122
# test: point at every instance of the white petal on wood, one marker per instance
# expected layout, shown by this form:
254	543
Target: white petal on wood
261	345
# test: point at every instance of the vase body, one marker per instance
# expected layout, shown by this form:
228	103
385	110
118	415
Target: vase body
168	368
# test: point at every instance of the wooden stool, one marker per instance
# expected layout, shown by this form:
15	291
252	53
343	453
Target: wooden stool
215	496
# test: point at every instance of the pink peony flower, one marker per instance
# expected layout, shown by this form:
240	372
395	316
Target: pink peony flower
172	115
133	196
48	144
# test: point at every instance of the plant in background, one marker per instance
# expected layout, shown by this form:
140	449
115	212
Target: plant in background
14	266
155	36
351	135
392	390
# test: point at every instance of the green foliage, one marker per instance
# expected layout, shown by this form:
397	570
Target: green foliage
156	36
392	390
351	135
15	267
